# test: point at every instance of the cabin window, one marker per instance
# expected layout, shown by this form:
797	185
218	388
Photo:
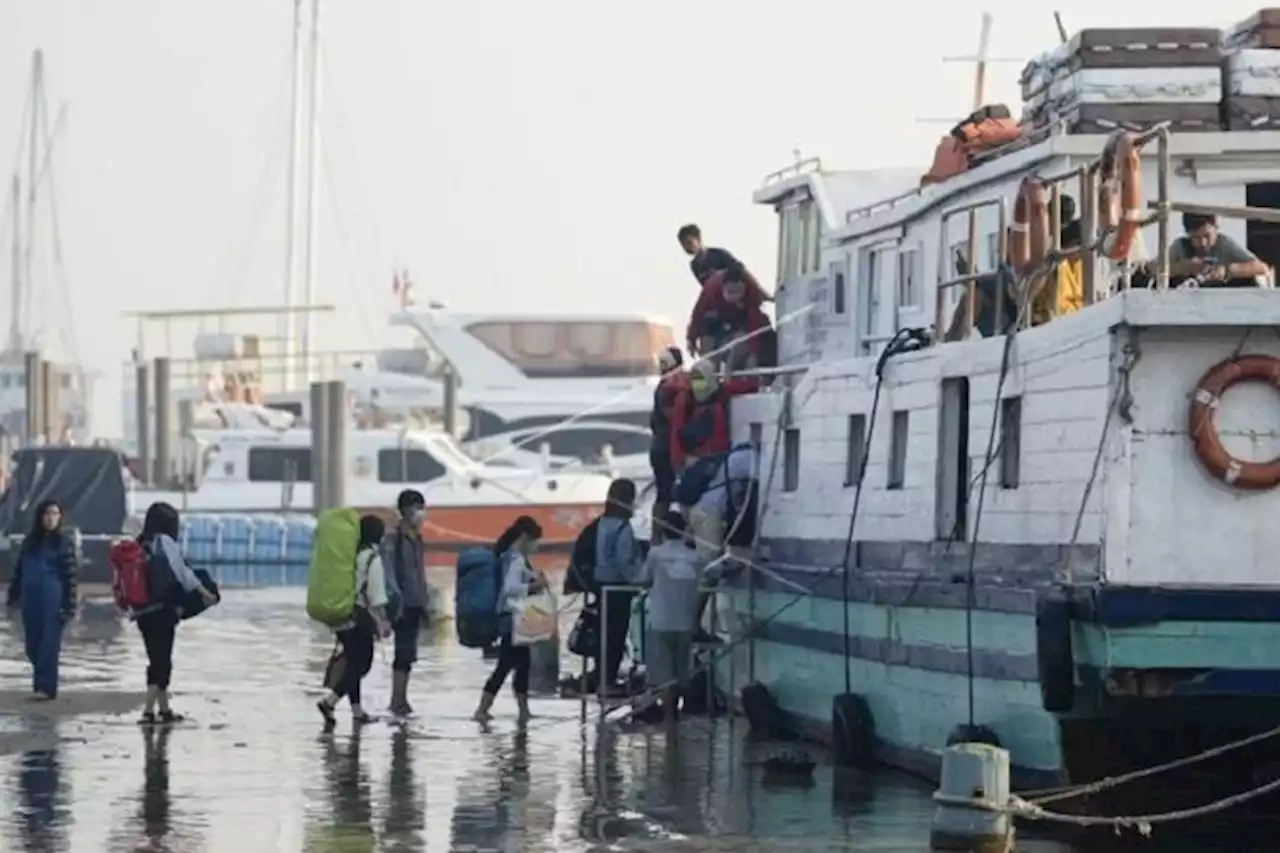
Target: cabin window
791	460
838	288
1010	442
908	278
870	297
792	234
855	447
280	465
813	236
407	465
756	435
898	450
993	252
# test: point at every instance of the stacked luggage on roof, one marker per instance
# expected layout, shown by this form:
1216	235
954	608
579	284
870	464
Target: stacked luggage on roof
1103	79
1252	73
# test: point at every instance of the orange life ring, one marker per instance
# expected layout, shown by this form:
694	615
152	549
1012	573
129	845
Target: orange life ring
1253	476
1120	194
1029	242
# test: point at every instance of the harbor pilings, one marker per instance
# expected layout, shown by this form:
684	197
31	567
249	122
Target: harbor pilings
49	387
319	422
35	398
335	467
163	471
142	402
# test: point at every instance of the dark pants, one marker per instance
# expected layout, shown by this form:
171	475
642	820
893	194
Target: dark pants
158	630
617	616
664	476
42	630
407	628
511	658
357	653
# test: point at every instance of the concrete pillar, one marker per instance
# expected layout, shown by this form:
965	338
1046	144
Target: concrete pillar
188	459
450	402
336	460
164	426
50	423
142	386
319	418
31	366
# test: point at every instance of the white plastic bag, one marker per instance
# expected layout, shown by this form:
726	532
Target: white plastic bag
535	620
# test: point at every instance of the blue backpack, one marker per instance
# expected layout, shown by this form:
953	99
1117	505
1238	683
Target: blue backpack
477	590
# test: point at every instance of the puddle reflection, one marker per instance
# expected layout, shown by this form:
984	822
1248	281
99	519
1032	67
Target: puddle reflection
254	775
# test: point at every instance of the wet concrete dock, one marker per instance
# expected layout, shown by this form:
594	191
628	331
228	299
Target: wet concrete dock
254	773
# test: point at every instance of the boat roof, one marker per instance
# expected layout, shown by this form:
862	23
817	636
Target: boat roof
462	319
889	211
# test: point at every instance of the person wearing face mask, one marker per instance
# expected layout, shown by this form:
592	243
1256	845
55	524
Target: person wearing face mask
519	580
700	419
44	583
403	555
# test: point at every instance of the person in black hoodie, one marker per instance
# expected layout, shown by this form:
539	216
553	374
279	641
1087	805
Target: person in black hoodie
44	583
673	382
158	623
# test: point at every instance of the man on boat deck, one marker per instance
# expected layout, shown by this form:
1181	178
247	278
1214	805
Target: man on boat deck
726	323
1070	287
1212	257
705	260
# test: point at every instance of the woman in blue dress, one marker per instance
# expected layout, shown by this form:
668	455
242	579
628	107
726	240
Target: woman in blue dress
44	583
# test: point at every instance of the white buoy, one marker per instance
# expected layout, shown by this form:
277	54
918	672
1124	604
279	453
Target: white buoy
973	800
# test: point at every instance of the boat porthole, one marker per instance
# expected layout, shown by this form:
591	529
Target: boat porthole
475	482
552	485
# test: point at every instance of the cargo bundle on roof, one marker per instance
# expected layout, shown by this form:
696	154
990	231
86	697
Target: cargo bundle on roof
1252	73
1103	79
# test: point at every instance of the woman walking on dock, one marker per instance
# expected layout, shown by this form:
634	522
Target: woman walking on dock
519	581
367	625
158	624
44	583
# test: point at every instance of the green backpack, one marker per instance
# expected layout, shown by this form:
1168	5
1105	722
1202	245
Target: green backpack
331	579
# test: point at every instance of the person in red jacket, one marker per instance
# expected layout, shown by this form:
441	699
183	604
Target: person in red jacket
700	420
728	309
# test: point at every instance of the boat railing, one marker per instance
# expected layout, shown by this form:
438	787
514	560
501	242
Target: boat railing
800	167
972	273
1087	177
1028	139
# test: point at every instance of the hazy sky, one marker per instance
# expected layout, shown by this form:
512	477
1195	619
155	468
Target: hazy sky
520	154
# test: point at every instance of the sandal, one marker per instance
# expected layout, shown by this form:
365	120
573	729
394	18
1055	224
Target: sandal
170	717
147	719
363	719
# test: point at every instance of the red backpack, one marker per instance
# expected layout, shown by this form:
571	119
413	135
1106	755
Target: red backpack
130	569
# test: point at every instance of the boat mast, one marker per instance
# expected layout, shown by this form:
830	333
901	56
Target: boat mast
288	320
15	286
33	181
313	206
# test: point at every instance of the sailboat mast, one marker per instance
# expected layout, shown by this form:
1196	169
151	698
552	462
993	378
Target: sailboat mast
313	205
33	181
288	322
15	287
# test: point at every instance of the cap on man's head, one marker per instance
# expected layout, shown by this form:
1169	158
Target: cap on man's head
670	358
704	369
